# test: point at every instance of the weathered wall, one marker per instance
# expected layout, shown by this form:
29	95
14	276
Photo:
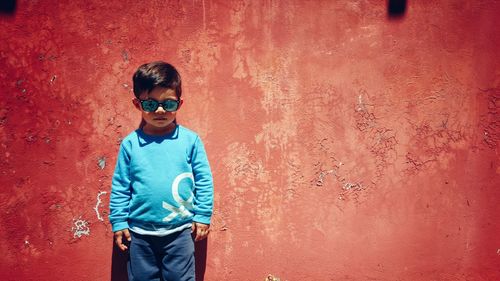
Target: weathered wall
344	145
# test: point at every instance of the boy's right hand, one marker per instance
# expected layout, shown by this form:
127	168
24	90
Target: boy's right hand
120	235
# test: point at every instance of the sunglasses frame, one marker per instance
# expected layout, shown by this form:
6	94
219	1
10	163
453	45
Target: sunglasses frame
158	104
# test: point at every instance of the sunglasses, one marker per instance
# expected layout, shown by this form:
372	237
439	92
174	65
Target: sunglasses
152	105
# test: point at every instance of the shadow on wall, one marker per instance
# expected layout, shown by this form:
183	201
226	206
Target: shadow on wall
119	262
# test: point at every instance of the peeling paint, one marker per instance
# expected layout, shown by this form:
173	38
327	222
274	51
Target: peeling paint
276	135
244	168
98	204
80	228
322	176
101	162
352	186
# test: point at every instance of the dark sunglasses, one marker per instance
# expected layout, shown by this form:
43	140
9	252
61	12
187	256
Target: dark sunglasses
152	105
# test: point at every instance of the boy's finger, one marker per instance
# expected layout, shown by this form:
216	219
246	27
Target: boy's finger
201	234
193	227
118	239
127	235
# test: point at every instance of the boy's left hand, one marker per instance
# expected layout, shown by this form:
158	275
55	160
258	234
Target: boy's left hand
200	230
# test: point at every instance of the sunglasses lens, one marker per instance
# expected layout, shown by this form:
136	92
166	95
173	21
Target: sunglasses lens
170	105
149	105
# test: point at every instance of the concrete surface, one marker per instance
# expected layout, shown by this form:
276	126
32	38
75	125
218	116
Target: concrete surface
345	144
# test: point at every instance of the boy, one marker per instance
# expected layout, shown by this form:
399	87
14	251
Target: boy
162	188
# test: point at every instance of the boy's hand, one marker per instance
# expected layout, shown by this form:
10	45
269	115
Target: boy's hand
200	230
119	236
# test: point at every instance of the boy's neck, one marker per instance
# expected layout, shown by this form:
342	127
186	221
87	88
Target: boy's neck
159	131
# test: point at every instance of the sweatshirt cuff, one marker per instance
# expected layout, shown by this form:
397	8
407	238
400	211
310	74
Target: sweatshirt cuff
202	219
120	226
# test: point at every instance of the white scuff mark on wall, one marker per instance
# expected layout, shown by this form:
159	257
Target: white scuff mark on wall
278	83
352	186
80	228
361	106
99	202
322	176
277	134
101	162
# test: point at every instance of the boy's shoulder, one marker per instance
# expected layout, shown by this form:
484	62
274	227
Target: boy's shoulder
186	131
131	136
181	133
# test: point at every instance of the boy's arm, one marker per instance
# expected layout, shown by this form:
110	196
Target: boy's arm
120	192
203	203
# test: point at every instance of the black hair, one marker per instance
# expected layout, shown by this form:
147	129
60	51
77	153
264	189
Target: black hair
156	74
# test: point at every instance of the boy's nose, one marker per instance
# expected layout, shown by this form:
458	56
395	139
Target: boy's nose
160	109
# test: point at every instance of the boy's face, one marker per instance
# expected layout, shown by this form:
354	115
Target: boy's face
158	121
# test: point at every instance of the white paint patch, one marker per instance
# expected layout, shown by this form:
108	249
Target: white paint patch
80	228
361	106
278	84
98	204
101	162
276	135
350	185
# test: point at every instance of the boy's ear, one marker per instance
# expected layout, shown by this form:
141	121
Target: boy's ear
136	103
181	101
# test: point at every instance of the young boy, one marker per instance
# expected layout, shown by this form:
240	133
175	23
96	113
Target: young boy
162	188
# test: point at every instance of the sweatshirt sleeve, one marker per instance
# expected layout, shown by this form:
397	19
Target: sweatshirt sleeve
203	203
120	191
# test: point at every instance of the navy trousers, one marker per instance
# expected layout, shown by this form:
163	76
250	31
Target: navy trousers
165	258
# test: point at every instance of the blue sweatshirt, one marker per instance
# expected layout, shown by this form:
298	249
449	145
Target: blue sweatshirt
161	184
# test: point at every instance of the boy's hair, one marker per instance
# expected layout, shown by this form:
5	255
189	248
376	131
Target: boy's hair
156	74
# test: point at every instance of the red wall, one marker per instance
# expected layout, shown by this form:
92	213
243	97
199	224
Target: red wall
345	145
